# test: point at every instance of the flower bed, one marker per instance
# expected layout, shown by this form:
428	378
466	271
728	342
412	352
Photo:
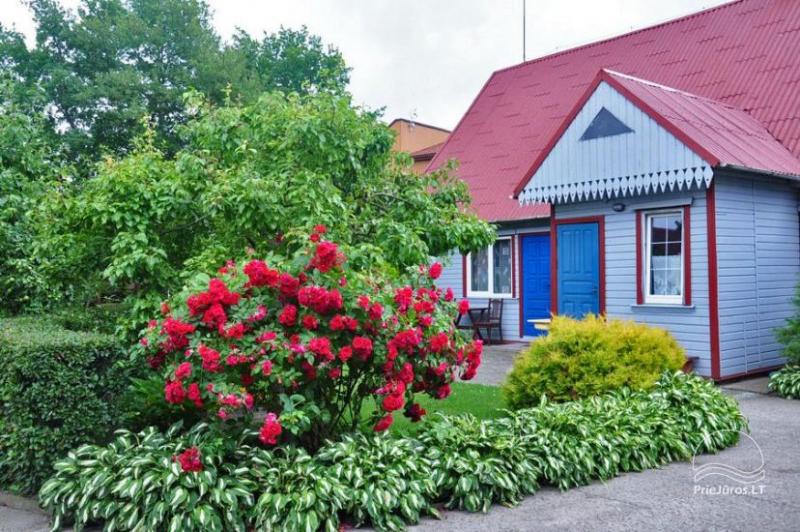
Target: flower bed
200	481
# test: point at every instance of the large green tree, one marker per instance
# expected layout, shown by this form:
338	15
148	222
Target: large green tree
29	165
109	63
246	176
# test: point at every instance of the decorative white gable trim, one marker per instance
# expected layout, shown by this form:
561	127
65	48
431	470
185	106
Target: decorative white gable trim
649	159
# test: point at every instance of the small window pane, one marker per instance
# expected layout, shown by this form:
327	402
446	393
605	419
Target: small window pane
665	253
502	267
479	264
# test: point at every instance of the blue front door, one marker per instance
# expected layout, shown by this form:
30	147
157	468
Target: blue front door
535	281
578	269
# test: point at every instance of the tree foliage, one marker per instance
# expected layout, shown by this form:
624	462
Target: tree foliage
247	176
28	163
111	62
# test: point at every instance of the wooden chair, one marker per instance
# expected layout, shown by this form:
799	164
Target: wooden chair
491	318
465	326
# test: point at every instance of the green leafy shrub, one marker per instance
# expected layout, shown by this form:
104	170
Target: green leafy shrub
57	390
789	334
589	357
786	382
383	481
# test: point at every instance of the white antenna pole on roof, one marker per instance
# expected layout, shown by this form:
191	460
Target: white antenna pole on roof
523	30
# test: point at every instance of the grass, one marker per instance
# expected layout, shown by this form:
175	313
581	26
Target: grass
483	402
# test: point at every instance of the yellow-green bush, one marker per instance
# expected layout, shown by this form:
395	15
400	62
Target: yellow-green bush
589	357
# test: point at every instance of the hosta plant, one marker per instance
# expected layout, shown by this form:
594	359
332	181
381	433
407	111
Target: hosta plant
205	481
305	339
786	382
152	481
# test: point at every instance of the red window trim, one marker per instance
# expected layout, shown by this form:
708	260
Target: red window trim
463	276
687	253
601	238
513	267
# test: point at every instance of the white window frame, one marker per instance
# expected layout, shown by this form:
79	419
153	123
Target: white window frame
654	299
490	255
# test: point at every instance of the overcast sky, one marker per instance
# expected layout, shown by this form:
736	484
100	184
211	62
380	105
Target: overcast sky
427	59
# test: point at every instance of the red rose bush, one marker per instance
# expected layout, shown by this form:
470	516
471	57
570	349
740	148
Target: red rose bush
300	342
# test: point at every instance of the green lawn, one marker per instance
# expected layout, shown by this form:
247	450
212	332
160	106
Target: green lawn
484	402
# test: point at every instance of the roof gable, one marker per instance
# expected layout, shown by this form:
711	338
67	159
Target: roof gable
574	168
745	54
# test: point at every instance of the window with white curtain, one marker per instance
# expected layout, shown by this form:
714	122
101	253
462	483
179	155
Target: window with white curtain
489	270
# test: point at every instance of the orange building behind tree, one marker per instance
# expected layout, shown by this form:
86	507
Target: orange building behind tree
420	140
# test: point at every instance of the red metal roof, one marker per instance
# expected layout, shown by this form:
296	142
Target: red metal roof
745	54
720	133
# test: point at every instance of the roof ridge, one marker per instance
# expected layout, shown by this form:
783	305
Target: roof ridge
673	89
620	36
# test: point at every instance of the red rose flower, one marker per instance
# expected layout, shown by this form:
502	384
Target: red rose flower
376	311
326	257
384	423
288	285
288	317
415	412
235	331
439	342
443	391
406	374
266	368
183	370
345	353
190	460
435	270
193	393
321	347
463	307
335	373
310	322
210	357
449	295
320	229
362	347
270	430
260	274
174	392
393	401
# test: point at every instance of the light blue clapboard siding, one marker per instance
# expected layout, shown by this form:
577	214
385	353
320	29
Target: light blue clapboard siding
452	277
758	249
689	325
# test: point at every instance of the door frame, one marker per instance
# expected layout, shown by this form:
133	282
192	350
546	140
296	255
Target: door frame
520	236
601	244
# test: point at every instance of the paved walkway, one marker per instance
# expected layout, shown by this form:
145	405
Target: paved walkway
496	362
669	499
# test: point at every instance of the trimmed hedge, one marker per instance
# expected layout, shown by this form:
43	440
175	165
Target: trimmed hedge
387	482
592	356
786	382
57	390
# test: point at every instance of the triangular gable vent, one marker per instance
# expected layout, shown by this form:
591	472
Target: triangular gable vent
605	124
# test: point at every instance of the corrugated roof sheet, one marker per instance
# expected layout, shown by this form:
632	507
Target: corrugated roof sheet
718	132
745	54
